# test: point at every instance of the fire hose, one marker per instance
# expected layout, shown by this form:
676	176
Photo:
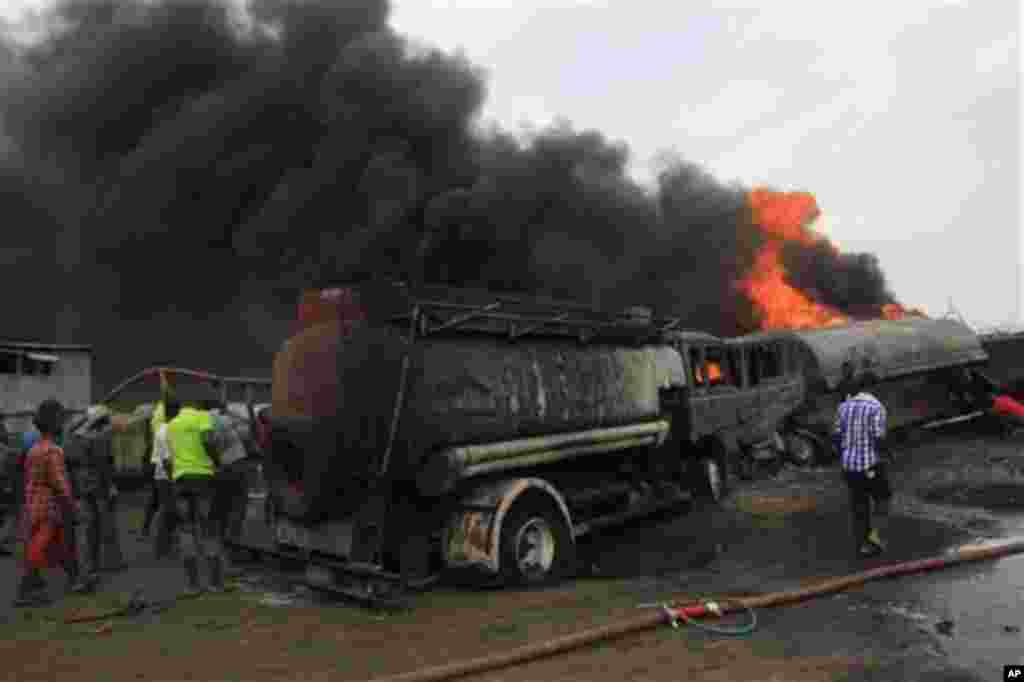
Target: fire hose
672	614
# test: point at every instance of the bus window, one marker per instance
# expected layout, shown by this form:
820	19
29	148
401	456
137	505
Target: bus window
735	361
717	368
770	363
697	367
753	365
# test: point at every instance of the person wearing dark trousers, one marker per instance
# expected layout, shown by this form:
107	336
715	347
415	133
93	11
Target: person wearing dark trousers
14	479
152	503
192	469
163	493
161	503
860	428
89	453
231	498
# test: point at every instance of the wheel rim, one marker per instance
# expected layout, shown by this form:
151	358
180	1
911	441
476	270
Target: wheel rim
801	450
535	548
713	474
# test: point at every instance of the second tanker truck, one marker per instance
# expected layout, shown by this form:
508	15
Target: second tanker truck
414	431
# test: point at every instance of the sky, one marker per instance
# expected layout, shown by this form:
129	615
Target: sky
902	117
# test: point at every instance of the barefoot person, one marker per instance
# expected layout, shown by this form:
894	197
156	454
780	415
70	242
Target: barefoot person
860	428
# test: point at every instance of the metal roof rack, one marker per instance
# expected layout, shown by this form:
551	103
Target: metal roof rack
434	310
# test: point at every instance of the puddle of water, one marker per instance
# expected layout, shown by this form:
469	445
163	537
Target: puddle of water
909	613
984	601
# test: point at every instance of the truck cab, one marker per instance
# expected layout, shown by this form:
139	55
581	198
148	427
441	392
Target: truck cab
741	392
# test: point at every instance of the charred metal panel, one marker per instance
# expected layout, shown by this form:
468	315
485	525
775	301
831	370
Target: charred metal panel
891	348
459	389
481	389
1005	358
908	400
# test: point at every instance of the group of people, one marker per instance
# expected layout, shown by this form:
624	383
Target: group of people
199	494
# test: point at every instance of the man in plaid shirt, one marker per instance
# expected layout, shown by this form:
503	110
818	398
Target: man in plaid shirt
860	428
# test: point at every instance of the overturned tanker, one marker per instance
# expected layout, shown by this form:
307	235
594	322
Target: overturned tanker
923	369
412	431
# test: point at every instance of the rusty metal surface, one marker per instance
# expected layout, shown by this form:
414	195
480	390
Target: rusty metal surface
892	348
305	373
473	536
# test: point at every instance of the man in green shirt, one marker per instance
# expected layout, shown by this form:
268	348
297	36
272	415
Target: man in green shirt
193	467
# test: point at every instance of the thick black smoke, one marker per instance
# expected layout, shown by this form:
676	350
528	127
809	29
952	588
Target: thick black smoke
853	283
179	169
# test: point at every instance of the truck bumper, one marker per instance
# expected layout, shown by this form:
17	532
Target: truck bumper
324	553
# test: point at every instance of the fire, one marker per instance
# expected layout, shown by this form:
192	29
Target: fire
894	311
785	217
712	370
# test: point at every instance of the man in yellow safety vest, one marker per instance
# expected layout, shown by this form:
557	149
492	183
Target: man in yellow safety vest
193	467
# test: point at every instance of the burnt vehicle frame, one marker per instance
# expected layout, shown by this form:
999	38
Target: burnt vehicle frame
451	502
922	367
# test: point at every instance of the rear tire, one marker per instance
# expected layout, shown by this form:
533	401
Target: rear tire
537	547
709	474
802	450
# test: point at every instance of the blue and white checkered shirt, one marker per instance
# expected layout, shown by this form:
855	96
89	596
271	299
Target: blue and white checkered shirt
859	423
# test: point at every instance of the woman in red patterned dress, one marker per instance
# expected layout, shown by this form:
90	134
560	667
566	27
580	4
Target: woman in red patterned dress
49	509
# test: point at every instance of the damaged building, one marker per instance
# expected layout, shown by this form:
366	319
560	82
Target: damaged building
32	372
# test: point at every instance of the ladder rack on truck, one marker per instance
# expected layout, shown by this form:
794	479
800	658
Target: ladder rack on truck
430	310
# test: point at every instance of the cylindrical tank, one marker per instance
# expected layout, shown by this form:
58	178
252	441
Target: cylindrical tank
335	393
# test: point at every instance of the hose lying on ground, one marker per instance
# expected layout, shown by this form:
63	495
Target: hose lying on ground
668	615
717	629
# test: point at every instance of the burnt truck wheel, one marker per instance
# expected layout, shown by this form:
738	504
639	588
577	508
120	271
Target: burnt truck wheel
802	450
709	472
536	542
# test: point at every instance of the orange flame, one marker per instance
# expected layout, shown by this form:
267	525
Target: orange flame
787	217
711	369
894	311
784	217
714	372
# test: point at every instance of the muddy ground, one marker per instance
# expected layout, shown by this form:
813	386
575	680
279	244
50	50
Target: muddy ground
775	533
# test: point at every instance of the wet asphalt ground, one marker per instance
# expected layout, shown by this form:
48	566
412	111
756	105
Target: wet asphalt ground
962	623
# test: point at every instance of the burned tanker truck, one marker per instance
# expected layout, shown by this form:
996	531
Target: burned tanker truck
440	429
924	368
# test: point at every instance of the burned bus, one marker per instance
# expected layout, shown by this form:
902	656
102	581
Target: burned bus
920	364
